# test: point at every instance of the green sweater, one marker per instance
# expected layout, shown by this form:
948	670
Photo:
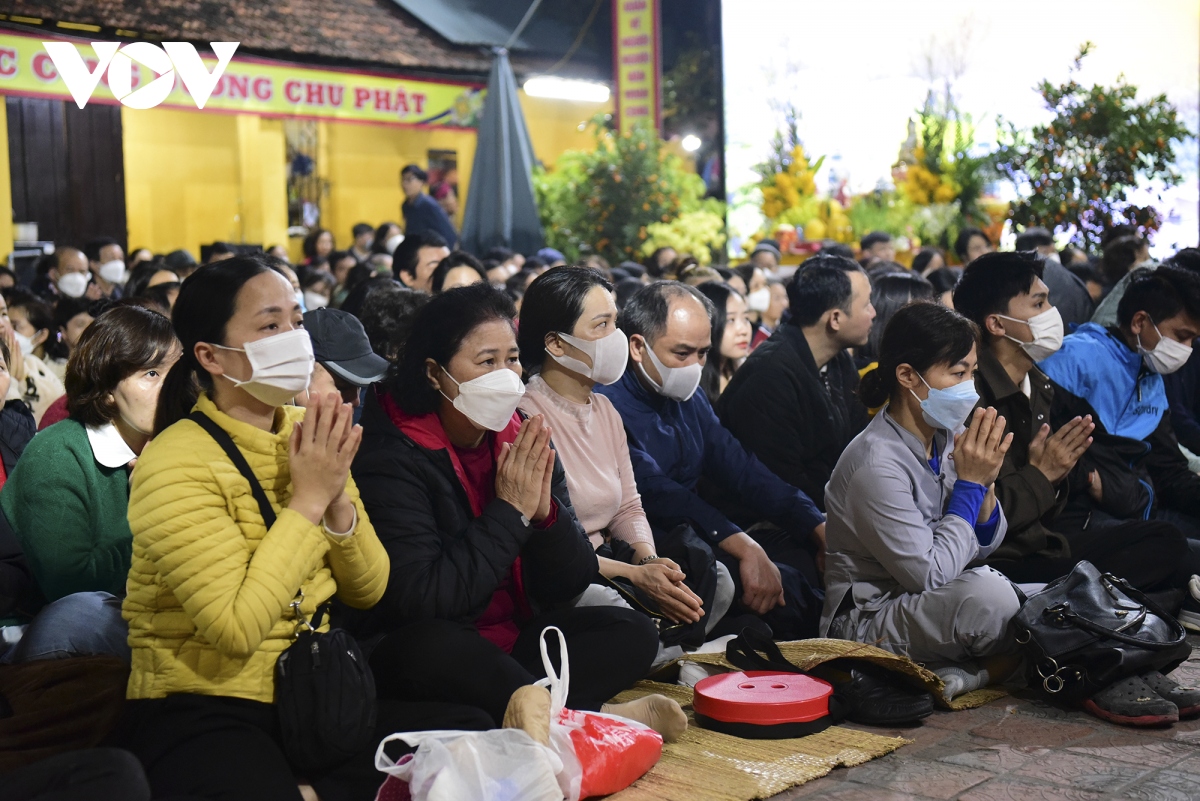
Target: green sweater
70	514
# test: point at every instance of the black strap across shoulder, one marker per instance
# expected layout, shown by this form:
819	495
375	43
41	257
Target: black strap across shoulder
239	461
752	650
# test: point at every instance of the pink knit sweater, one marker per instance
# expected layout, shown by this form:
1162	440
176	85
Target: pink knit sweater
590	440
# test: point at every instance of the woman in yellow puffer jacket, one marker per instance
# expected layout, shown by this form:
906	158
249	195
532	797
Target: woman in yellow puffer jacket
210	586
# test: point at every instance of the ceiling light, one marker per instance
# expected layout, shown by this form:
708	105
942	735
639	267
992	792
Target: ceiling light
566	89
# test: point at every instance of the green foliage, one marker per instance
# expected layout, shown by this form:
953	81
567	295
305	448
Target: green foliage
605	200
690	97
1081	166
889	212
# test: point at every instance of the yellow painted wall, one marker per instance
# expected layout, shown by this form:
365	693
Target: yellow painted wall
6	211
554	125
193	178
362	164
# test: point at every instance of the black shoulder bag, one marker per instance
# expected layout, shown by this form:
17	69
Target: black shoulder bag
1089	629
324	690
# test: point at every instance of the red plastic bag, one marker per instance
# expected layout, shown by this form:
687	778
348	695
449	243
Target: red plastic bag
601	754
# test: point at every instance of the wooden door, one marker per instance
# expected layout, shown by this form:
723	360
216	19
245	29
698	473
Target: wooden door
68	169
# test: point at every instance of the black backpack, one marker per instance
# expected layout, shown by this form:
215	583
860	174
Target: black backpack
324	690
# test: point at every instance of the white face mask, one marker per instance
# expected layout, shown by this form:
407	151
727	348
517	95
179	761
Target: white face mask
24	342
490	400
113	271
679	383
73	285
1167	356
1047	330
759	300
608	354
392	243
281	366
314	300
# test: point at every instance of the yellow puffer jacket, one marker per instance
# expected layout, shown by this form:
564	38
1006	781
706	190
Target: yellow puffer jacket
209	587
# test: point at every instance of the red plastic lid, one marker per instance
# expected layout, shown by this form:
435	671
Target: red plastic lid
762	697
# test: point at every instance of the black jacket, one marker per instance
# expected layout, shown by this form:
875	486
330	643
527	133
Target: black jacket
1183	393
794	419
17	427
1137	476
1030	501
16	580
447	563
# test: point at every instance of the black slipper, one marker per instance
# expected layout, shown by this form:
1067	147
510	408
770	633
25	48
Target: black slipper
1186	698
1132	702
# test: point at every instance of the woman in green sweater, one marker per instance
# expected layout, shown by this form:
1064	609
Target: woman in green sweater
68	498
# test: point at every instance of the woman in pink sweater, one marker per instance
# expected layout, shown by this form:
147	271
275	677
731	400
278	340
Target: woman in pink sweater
569	343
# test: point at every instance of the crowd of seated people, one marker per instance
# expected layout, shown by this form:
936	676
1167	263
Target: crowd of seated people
461	452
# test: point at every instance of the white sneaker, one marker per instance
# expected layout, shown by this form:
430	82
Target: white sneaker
716	646
1189	614
692	673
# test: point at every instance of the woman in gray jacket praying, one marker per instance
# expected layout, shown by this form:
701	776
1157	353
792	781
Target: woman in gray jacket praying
912	503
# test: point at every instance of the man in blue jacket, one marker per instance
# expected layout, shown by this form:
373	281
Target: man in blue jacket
1134	468
421	212
675	440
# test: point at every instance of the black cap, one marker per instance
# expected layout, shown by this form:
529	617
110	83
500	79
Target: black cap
179	259
340	345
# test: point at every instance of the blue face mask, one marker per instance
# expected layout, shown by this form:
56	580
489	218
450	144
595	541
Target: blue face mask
948	408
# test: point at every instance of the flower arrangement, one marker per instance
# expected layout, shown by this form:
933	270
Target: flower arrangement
694	232
792	186
923	186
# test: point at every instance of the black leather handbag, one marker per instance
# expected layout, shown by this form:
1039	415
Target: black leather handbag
324	689
1089	629
697	562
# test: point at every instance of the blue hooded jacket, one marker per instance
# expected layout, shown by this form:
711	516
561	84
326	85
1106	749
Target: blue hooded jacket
1095	365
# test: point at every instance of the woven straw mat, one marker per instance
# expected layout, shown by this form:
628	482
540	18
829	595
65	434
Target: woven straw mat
807	654
708	765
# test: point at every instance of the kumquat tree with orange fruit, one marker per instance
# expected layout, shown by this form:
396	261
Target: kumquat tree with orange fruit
1077	172
624	198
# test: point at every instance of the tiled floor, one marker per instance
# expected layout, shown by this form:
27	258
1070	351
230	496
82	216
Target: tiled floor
1020	749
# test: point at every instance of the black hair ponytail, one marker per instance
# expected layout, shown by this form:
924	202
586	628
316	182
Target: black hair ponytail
921	335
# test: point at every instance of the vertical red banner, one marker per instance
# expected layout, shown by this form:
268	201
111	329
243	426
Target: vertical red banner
637	63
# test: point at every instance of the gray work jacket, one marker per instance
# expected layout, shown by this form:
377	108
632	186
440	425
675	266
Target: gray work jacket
887	532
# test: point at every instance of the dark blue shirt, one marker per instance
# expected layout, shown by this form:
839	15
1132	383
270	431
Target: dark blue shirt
424	214
672	444
1183	393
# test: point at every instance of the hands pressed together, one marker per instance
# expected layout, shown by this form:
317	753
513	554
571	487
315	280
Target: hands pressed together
662	580
1056	454
979	451
525	469
320	451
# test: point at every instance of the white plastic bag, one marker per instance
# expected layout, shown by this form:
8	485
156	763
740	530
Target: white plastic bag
590	753
496	765
600	754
